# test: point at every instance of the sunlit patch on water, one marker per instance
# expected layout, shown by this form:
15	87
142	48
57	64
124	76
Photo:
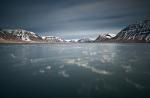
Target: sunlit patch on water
13	56
48	67
64	73
61	66
84	64
136	85
127	68
42	71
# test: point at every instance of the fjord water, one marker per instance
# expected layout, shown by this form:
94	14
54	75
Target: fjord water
74	70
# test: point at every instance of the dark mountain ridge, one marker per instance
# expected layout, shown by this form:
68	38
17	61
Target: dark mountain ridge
138	32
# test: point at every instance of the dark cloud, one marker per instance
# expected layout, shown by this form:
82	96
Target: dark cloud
72	18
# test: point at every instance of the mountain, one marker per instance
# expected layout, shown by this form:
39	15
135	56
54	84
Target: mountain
52	39
72	40
18	35
105	37
85	40
138	32
24	36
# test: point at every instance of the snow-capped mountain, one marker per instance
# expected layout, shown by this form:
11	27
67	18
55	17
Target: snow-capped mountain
105	37
139	32
52	39
85	40
19	35
72	40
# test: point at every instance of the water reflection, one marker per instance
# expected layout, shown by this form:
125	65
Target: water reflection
85	70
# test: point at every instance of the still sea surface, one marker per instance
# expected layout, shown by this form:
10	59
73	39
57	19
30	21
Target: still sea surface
75	70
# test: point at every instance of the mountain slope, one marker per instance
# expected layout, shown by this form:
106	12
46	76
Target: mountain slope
105	37
18	35
139	32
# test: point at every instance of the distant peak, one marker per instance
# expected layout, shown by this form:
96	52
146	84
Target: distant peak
143	22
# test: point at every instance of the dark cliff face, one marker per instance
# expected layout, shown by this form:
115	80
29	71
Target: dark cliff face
139	32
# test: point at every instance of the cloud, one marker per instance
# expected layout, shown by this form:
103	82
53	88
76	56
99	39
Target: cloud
72	15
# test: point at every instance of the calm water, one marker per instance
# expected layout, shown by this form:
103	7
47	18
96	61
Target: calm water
74	70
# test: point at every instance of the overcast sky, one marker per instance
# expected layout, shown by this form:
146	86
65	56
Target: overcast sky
72	18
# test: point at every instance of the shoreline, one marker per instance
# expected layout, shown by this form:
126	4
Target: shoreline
28	43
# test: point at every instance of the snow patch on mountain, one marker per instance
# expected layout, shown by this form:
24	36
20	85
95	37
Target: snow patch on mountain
18	34
85	40
104	37
53	39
